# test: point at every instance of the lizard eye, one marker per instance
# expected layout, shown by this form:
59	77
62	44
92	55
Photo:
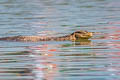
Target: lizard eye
81	32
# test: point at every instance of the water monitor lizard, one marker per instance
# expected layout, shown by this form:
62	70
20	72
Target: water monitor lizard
72	37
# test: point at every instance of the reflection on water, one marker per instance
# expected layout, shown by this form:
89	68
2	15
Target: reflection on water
65	61
50	65
94	59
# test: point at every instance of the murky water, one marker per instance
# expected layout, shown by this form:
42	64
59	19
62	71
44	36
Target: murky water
94	59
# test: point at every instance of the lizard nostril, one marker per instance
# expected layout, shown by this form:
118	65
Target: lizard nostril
90	34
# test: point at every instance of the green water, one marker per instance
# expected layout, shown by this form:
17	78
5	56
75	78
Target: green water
95	59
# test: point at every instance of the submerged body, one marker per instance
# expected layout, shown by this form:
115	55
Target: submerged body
72	37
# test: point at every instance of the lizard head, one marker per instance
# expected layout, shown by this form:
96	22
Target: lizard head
81	35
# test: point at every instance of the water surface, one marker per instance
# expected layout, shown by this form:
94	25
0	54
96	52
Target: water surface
94	59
